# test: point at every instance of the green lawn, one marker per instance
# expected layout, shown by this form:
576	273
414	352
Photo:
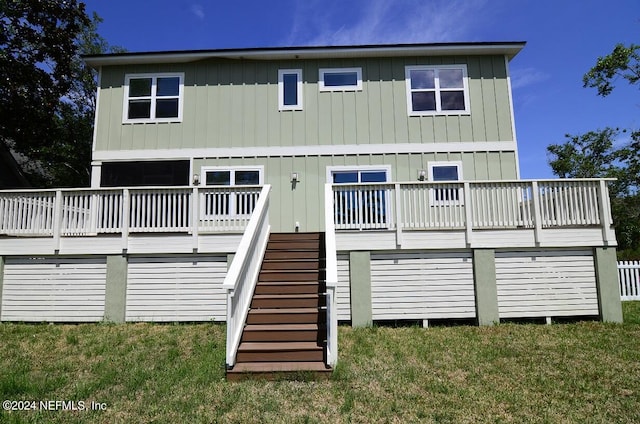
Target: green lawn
583	372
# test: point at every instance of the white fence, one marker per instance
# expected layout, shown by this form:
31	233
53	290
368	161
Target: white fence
475	204
629	278
82	212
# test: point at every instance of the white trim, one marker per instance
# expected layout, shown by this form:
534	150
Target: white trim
96	174
154	78
342	168
323	87
437	90
513	117
281	74
317	150
95	118
205	168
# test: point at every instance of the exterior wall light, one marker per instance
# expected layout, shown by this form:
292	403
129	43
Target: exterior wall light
422	175
196	179
294	177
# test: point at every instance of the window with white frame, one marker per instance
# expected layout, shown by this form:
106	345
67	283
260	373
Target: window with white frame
340	79
446	172
153	97
290	89
234	202
437	90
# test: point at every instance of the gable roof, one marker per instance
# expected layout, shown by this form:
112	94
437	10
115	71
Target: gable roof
11	175
508	48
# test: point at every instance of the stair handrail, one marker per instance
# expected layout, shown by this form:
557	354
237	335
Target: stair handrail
331	275
242	276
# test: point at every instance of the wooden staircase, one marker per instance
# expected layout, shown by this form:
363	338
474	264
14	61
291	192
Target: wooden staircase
285	333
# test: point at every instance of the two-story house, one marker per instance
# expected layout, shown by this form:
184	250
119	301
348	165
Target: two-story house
397	165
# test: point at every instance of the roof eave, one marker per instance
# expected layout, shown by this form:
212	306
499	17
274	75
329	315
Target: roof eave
509	49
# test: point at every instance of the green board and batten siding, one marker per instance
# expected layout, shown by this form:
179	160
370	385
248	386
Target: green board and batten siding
234	103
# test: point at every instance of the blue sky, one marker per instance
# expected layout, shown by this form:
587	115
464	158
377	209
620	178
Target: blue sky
564	39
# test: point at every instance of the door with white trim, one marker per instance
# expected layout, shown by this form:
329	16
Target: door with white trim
230	202
359	201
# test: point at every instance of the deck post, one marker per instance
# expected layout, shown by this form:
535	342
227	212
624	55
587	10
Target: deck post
537	214
607	283
1	282
126	213
468	213
360	279
57	221
484	280
398	216
603	209
195	217
116	290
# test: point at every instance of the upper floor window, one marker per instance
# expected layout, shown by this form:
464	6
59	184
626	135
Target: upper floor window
290	89
437	90
153	97
340	79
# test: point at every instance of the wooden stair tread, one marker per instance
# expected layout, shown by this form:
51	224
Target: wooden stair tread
285	260
287	295
278	346
283	310
294	236
287	283
280	367
287	255
280	327
289	271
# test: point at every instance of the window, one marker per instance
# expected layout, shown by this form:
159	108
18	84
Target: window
145	173
340	79
449	194
437	90
233	202
290	89
153	98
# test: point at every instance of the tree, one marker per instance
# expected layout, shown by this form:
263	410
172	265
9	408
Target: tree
46	91
596	155
67	158
621	62
602	154
37	46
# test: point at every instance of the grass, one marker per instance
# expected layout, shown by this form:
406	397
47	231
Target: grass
564	373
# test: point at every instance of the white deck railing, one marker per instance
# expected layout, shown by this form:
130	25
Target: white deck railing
629	279
472	205
85	212
242	276
331	277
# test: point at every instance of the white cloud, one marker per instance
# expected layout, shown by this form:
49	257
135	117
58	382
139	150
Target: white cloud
197	10
524	77
386	22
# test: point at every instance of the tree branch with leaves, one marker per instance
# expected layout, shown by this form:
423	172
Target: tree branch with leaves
622	62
